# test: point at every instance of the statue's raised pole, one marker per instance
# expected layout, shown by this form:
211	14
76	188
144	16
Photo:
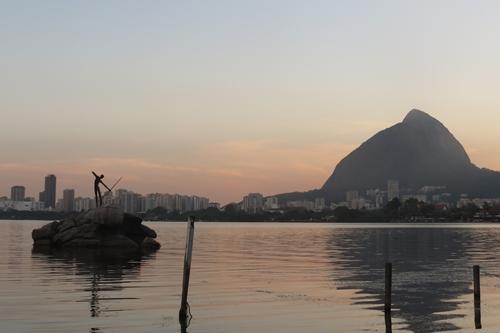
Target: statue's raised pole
183	312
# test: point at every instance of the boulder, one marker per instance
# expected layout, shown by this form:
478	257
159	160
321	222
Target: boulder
105	227
130	219
148	231
46	232
67	224
149	244
82	219
43	243
63	237
110	216
119	241
83	243
89	231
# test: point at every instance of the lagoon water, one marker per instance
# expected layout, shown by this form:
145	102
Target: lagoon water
258	277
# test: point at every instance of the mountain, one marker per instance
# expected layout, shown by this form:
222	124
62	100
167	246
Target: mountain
418	151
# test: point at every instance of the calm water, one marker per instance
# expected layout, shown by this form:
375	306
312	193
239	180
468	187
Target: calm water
257	278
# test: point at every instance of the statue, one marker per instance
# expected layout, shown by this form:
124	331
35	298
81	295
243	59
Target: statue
97	190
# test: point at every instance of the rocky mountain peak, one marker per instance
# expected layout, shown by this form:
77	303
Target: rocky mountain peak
418	116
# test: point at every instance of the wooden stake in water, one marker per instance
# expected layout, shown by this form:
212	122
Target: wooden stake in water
477	297
388	322
388	287
183	312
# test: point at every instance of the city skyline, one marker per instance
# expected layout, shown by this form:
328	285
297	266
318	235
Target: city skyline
20	192
227	99
252	203
129	201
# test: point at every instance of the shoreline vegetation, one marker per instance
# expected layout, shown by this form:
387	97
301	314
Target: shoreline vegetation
395	211
32	215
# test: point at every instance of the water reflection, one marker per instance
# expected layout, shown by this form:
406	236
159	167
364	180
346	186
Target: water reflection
432	272
102	270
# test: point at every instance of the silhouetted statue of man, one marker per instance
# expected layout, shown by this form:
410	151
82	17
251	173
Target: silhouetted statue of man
97	190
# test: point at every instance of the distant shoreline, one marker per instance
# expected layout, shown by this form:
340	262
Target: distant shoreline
40	216
341	222
403	214
283	222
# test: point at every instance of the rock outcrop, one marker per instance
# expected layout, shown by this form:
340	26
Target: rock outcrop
105	227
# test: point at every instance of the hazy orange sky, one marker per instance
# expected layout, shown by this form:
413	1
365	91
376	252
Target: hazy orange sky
223	98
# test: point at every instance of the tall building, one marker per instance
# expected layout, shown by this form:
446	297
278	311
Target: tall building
181	203
17	205
319	204
17	193
392	189
152	201
199	203
167	201
177	202
303	204
68	201
48	196
129	201
84	204
187	204
204	203
107	198
379	199
352	198
253	203
59	205
271	203
41	197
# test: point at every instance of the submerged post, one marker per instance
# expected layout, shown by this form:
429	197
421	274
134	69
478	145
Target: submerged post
477	297
183	312
388	322
388	287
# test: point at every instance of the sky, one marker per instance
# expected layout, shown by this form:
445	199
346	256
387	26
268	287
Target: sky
223	98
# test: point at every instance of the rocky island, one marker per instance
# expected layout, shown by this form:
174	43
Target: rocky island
100	228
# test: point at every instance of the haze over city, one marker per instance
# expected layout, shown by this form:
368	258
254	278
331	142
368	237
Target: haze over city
222	99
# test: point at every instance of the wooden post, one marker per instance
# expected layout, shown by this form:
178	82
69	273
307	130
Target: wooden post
183	312
388	322
388	287
477	297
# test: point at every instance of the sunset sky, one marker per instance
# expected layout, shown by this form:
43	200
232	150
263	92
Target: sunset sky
222	98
